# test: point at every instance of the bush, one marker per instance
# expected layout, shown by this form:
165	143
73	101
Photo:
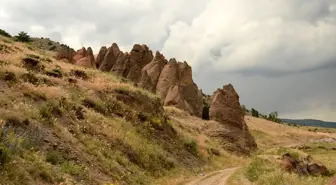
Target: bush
49	110
57	73
52	48
255	113
23	37
4	155
54	157
4	33
191	146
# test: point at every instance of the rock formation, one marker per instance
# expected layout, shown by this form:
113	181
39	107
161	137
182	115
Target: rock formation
88	61
139	57
186	97
151	72
100	56
121	66
233	132
110	58
168	78
173	81
80	54
65	52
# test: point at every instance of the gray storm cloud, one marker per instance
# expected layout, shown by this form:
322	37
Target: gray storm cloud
280	55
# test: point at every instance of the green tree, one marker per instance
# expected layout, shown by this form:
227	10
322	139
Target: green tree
255	113
4	33
23	37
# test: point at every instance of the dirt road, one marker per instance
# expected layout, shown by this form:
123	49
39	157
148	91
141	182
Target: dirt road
215	178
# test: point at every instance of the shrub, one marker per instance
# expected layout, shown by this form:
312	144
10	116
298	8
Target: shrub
54	157
55	73
79	74
4	33
31	78
33	56
191	146
23	37
32	64
4	155
96	105
72	168
52	48
10	77
255	113
49	110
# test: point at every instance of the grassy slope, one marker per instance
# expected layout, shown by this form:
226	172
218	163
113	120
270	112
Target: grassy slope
61	123
275	139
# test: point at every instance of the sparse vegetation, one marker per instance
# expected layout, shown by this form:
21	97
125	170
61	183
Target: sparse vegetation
4	33
23	37
255	113
191	146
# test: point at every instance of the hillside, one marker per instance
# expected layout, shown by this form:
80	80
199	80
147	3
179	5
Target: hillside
65	124
311	122
276	139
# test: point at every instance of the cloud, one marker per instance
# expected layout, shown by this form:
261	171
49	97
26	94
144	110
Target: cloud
244	36
279	55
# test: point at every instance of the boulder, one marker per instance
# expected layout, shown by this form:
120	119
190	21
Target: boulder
151	72
110	58
232	132
101	56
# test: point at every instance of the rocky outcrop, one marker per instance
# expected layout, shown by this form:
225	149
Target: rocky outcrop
139	57
176	85
80	54
186	97
151	72
101	56
122	65
110	58
233	132
65	52
168	78
88	61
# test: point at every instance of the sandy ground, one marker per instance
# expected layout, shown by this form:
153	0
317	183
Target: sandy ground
214	178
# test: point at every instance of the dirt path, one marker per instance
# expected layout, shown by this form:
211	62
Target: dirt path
215	178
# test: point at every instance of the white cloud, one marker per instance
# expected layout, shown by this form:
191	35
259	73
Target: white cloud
287	35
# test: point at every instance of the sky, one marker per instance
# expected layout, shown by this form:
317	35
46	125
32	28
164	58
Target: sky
280	55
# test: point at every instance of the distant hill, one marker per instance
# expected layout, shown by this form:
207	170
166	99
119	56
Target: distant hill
311	122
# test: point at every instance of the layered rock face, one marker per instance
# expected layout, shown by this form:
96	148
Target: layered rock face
232	132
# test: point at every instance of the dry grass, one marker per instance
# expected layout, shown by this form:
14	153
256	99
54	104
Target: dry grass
95	137
270	134
274	140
